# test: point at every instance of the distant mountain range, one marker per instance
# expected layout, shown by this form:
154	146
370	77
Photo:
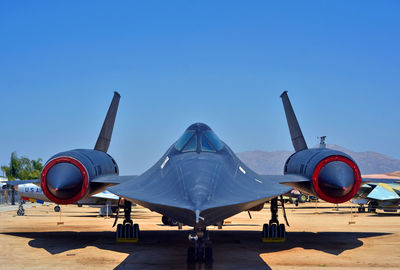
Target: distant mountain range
273	162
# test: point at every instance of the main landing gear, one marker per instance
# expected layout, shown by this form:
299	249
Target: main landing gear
200	252
372	206
169	221
361	208
273	231
127	231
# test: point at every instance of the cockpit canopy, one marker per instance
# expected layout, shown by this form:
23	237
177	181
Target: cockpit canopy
199	138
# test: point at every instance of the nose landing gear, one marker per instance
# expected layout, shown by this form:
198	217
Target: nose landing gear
199	252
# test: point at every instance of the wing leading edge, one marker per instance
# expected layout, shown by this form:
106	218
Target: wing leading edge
169	192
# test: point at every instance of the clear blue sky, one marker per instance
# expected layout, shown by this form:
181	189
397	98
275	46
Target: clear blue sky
224	63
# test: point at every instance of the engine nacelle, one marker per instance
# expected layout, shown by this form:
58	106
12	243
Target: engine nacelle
66	177
334	175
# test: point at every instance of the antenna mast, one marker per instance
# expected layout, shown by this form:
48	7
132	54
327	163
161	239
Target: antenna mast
322	142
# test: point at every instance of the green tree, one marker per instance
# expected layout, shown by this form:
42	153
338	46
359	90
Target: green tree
22	168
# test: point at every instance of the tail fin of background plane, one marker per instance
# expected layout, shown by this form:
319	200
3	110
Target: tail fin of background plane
299	143
103	141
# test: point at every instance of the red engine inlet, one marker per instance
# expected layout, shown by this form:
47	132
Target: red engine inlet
64	180
336	179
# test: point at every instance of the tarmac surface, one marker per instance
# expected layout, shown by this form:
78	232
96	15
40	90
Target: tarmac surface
319	237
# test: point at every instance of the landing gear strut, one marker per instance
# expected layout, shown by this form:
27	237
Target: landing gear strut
21	210
127	231
273	231
199	252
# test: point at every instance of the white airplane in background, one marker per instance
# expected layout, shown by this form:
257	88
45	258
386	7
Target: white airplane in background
33	193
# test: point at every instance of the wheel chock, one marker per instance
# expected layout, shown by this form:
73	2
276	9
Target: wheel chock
127	240
272	240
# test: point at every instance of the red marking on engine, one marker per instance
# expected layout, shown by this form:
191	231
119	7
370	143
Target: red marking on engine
357	176
72	161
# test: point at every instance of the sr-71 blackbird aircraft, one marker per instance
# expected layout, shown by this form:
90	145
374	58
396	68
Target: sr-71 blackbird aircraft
199	181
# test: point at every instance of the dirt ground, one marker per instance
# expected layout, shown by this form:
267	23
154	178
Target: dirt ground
318	237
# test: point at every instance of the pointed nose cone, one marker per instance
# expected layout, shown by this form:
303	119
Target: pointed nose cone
336	179
64	180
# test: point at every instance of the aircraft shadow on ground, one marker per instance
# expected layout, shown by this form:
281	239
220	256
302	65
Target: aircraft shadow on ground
384	214
167	249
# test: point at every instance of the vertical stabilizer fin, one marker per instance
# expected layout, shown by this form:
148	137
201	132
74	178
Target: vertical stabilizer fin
103	141
299	143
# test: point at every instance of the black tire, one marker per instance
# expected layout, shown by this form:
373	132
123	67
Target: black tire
119	231
302	198
57	208
20	212
191	255
136	231
200	254
172	222
265	231
123	231
208	254
273	231
164	220
282	231
128	231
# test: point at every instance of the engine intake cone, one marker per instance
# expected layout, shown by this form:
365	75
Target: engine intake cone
336	179
64	180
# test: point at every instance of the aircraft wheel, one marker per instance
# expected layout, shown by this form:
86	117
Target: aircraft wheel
208	254
57	208
191	255
363	209
128	231
273	231
359	209
136	231
164	220
20	212
172	222
200	254
282	231
119	231
266	231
